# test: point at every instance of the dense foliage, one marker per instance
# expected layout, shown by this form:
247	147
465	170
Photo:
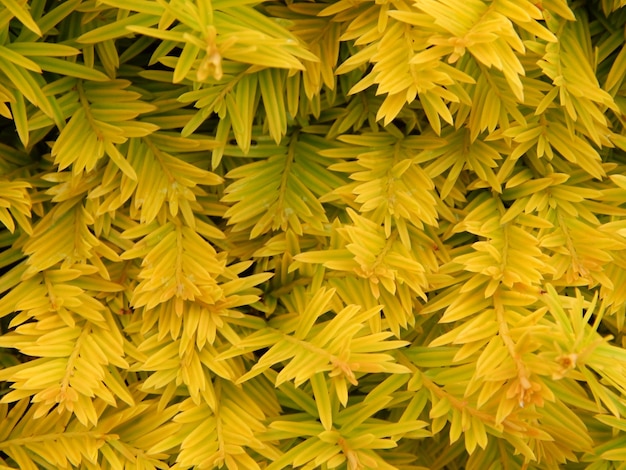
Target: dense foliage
344	234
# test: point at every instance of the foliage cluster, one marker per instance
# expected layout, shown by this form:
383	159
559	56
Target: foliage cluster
344	234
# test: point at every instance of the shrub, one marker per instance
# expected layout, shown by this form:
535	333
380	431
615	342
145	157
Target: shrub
351	234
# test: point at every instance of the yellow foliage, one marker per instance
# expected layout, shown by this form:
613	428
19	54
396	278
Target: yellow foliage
343	235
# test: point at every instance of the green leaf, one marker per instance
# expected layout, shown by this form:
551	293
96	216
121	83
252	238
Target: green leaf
20	117
270	81
121	28
72	69
322	400
22	14
18	59
44	49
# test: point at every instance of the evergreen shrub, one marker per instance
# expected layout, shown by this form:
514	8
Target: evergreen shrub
346	234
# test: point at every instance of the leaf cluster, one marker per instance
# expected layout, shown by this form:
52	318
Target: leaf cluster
337	235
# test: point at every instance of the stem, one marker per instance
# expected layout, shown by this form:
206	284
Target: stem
505	334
